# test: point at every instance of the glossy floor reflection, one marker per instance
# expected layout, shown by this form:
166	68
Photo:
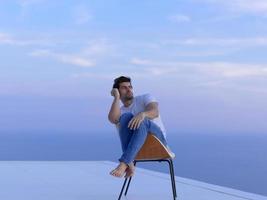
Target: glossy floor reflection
90	180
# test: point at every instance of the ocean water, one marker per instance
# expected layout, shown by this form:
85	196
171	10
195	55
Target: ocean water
236	161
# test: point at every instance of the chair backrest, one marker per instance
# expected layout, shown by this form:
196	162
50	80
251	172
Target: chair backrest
153	149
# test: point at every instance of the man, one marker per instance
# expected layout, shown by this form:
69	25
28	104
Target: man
134	119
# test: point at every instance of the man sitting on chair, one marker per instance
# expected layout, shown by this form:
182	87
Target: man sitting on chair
134	119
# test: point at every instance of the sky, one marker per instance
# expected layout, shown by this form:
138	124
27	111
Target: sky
203	60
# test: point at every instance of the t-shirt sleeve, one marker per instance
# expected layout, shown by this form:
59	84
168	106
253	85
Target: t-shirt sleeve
148	99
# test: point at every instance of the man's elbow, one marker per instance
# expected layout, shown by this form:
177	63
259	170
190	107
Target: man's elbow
156	113
112	119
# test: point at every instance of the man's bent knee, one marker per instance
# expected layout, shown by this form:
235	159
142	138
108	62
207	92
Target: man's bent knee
125	118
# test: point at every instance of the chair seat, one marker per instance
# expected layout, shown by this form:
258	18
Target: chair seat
154	149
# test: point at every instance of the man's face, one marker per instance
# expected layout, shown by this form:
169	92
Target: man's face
126	91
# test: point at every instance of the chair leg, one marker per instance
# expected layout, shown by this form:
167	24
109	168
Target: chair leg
172	178
171	168
123	186
129	181
173	175
125	193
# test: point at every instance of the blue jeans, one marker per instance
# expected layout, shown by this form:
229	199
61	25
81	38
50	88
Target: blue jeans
133	140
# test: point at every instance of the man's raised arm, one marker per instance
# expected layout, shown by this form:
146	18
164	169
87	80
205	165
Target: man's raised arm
114	113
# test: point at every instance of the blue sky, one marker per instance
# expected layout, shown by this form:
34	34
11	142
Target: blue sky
204	60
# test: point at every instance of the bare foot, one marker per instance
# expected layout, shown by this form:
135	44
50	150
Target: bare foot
130	170
119	170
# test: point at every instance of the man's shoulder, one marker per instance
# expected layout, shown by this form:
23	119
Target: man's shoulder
143	96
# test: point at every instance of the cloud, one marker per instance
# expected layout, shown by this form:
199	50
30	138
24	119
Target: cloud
64	58
254	41
138	61
255	7
240	70
251	6
201	53
221	18
111	75
93	50
179	18
221	69
230	76
8	39
94	75
26	5
81	15
98	47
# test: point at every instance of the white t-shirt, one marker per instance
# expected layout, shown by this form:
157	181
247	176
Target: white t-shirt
138	105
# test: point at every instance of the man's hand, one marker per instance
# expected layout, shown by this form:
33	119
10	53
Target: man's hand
115	93
136	121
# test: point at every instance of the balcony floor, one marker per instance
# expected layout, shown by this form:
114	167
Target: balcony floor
90	180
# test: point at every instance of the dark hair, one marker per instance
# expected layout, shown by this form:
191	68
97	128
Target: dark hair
119	80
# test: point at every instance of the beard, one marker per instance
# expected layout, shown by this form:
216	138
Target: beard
128	98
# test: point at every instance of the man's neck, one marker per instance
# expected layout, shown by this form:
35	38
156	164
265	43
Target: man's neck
127	103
